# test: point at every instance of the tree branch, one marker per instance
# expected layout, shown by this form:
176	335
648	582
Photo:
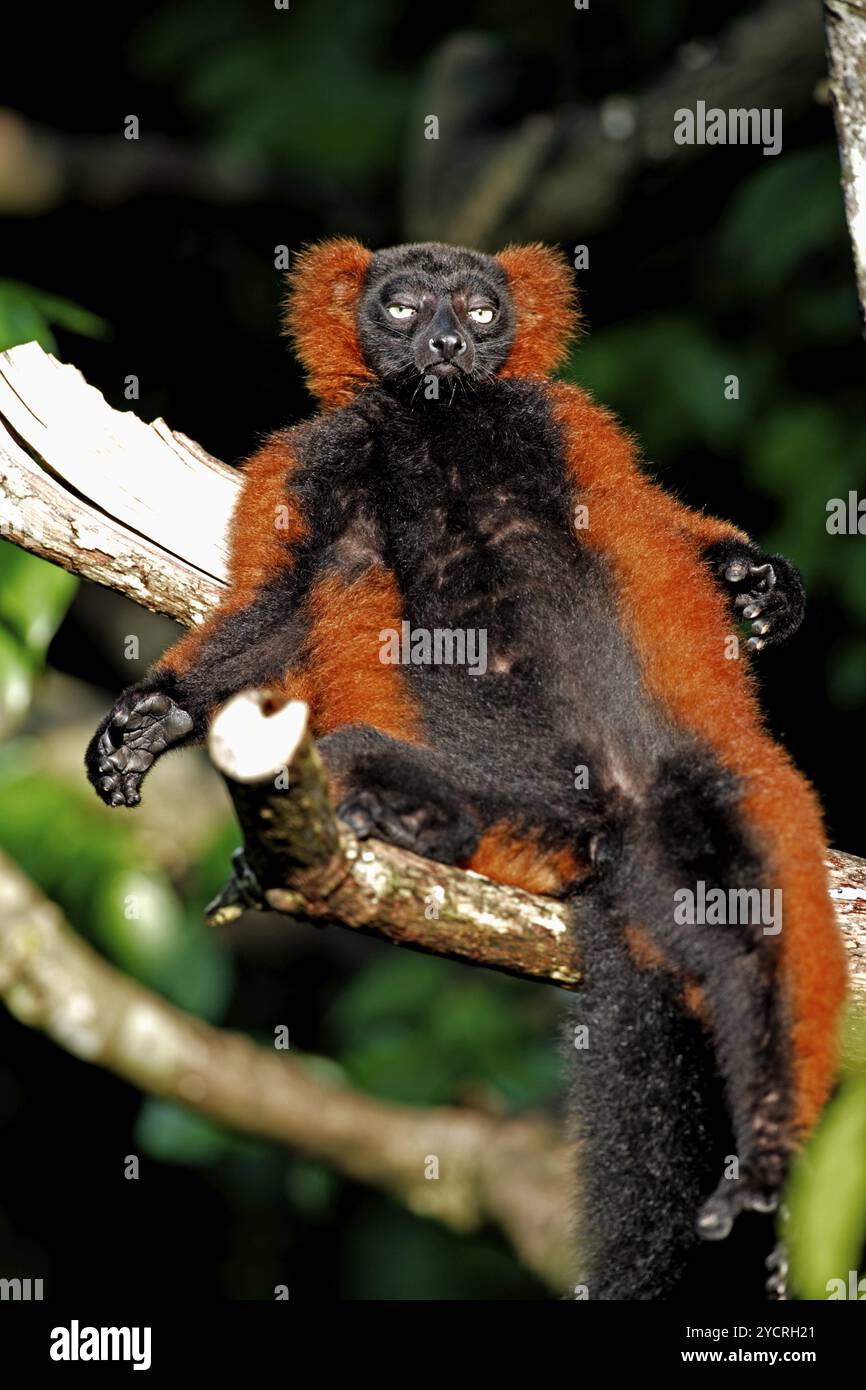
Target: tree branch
301	861
512	1172
846	48
308	865
137	508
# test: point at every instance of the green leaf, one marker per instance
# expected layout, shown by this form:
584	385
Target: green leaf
827	1196
234	85
138	919
172	1134
311	1187
397	988
34	596
16	683
787	211
846	674
92	866
26	314
669	375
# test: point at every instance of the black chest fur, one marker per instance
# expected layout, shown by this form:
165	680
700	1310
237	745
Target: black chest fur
474	504
470	506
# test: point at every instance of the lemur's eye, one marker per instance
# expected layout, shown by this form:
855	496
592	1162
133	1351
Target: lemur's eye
482	315
400	311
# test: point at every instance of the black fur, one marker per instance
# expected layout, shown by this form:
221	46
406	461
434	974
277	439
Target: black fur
439	285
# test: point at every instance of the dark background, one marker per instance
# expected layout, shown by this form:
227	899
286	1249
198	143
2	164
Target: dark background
262	128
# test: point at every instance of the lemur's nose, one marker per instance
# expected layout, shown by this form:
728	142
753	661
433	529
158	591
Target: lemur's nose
448	345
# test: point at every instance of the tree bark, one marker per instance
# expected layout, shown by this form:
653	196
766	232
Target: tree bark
846	47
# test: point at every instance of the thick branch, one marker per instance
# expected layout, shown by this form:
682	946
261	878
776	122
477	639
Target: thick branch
138	508
846	46
510	1172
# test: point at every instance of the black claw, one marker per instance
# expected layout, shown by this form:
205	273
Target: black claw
715	1222
776	1265
766	572
763	1202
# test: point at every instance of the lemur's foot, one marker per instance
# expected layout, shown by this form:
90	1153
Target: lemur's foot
431	829
768	591
138	730
732	1196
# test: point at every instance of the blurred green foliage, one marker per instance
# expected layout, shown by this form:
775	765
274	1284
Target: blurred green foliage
28	315
786	256
827	1197
427	1031
34	598
252	84
112	893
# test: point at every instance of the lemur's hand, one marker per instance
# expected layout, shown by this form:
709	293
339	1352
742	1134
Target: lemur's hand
141	726
767	590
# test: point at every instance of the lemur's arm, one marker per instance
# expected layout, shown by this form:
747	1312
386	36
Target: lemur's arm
251	638
765	590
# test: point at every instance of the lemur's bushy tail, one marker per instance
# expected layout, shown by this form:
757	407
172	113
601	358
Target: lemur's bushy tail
654	1118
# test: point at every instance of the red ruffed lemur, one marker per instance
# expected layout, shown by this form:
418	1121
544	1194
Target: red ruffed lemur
449	483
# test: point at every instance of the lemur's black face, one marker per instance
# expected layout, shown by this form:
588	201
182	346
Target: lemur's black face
431	310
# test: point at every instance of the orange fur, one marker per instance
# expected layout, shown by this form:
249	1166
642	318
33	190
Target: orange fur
326	283
321	304
648	955
542	286
655	551
645	951
695	1002
347	683
266	520
519	860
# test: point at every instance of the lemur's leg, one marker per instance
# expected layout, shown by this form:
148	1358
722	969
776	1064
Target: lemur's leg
766	590
412	796
400	792
692	838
